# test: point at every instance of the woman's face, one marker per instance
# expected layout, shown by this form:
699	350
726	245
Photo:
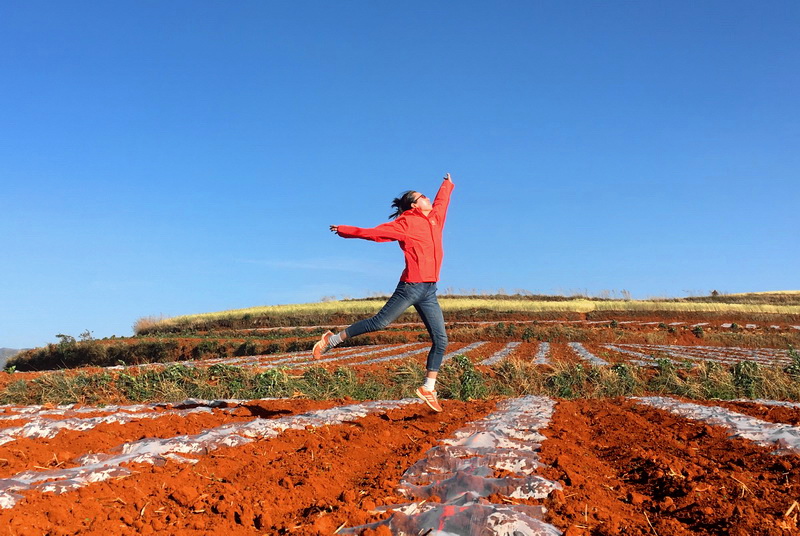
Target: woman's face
421	202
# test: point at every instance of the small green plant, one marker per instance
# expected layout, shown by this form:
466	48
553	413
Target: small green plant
747	377
567	382
624	378
698	332
273	382
793	369
666	379
715	381
460	380
317	383
528	335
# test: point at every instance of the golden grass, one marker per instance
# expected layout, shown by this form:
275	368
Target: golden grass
766	293
496	305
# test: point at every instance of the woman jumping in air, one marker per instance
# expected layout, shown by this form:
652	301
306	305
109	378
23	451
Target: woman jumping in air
417	226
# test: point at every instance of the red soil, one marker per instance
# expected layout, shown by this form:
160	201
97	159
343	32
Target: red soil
302	482
626	469
631	469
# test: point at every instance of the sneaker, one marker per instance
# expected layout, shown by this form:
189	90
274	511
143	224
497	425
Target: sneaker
430	398
321	345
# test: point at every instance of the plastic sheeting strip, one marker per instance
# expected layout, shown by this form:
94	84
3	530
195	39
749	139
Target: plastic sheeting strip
784	436
645	361
381	350
72	410
765	402
541	357
722	354
98	467
396	356
460	472
501	354
579	349
42	427
730	354
464	350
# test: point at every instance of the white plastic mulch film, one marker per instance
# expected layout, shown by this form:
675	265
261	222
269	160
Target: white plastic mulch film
648	353
541	357
47	423
783	436
586	355
501	354
102	466
348	355
461	473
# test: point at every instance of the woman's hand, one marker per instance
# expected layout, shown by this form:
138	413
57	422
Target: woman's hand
335	229
447	177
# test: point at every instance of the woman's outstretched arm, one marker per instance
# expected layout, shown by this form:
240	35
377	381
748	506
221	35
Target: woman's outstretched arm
442	199
385	232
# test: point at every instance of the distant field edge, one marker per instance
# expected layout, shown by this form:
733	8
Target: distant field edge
322	313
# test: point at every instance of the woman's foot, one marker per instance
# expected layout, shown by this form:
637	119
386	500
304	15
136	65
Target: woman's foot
321	345
430	398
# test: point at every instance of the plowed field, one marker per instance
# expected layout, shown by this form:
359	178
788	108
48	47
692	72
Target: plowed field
303	467
520	466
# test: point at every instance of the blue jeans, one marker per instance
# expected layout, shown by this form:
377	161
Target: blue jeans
423	297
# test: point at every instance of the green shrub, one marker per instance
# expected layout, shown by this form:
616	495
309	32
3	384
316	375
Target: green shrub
528	335
567	382
208	349
747	378
794	367
272	383
458	379
666	379
621	382
246	348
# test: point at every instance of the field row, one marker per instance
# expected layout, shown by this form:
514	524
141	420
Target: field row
632	323
491	353
533	465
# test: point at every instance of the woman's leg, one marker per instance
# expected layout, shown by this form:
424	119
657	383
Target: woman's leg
431	314
404	296
428	308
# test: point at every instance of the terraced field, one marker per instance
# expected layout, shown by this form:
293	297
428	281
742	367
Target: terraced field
529	465
486	353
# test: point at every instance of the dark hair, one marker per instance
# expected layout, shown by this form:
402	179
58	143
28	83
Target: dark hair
402	203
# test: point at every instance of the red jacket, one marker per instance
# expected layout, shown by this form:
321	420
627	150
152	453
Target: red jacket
420	237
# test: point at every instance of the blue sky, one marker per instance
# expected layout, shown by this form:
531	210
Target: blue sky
169	158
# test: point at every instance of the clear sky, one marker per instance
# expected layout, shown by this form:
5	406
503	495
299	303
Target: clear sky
169	158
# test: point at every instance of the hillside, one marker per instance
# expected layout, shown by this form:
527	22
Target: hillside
777	306
768	320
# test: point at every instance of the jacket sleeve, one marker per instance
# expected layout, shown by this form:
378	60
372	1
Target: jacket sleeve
385	232
442	200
